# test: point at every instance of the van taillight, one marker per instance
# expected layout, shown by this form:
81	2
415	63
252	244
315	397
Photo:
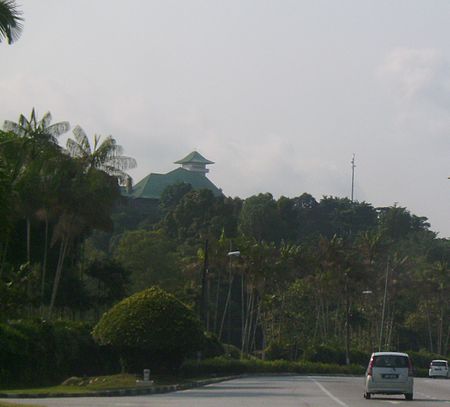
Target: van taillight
410	368
370	368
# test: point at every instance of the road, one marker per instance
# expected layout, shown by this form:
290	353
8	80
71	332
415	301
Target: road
273	391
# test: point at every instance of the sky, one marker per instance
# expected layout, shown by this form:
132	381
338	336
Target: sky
279	94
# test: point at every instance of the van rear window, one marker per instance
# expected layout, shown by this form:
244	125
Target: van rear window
390	361
438	363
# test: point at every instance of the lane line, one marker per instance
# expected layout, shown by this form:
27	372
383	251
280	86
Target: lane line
431	397
331	396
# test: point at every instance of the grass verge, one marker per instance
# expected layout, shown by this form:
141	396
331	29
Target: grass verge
100	383
81	385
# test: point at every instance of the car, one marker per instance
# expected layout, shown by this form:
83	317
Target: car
389	373
438	368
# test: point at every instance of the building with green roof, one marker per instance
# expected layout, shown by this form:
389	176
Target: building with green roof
192	171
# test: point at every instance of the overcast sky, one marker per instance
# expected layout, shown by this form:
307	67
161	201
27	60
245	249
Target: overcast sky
279	94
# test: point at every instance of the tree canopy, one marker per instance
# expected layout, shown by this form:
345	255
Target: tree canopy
10	21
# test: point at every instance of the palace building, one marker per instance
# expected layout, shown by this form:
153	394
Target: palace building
192	171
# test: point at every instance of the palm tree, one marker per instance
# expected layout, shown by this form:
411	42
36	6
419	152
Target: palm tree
85	203
37	169
90	202
39	143
105	156
10	21
40	131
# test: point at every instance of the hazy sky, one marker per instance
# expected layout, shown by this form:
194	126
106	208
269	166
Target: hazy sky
279	94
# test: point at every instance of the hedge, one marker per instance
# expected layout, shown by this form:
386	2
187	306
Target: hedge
224	366
37	352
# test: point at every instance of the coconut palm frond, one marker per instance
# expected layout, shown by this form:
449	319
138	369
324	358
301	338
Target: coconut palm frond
23	122
82	139
10	21
106	150
8	125
105	155
73	148
14	128
57	129
126	163
46	120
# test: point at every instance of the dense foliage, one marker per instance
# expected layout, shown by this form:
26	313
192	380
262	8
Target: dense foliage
37	352
150	329
333	275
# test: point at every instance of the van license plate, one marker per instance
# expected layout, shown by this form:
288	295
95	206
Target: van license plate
390	376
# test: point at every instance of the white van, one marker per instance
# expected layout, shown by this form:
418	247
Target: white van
438	368
389	373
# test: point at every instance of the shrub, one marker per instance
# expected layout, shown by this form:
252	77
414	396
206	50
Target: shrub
326	354
13	354
150	329
36	352
231	351
212	346
336	355
276	350
422	359
224	366
360	357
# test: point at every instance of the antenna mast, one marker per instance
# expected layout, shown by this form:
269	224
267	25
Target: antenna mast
353	174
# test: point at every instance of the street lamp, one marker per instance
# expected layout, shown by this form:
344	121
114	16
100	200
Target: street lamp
367	304
384	305
230	254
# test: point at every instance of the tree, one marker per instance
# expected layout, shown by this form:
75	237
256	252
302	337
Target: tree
259	218
191	218
37	147
10	21
106	156
344	218
38	132
85	203
298	216
110	280
198	214
397	222
150	329
172	195
150	258
6	198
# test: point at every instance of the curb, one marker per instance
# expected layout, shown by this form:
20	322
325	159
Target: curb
120	392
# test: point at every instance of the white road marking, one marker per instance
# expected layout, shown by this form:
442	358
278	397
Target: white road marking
426	395
331	396
431	397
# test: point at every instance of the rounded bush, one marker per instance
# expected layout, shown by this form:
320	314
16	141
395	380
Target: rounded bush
150	329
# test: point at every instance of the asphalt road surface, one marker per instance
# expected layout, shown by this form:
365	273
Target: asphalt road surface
274	391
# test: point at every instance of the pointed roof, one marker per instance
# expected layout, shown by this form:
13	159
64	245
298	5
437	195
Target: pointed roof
194	157
153	185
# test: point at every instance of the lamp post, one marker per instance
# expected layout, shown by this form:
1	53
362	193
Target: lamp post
204	311
366	293
384	305
230	254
